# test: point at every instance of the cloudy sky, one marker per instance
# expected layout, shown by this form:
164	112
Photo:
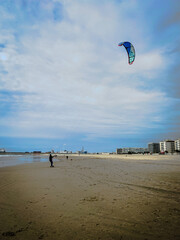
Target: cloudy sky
65	83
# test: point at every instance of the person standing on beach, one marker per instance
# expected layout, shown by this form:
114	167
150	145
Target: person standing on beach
51	160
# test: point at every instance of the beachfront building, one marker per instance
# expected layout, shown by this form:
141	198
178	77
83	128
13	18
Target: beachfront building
37	152
2	150
65	152
177	145
134	150
153	147
118	150
167	146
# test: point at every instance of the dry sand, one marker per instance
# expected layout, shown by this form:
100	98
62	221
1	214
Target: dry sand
92	197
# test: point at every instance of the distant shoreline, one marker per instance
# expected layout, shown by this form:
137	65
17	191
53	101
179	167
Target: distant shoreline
84	154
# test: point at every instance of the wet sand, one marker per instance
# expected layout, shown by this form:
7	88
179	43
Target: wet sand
92	197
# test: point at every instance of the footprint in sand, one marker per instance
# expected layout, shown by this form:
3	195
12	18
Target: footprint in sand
90	199
9	234
41	236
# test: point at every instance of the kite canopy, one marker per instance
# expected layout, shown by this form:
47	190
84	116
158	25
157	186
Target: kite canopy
130	51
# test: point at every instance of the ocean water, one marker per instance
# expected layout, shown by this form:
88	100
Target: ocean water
12	160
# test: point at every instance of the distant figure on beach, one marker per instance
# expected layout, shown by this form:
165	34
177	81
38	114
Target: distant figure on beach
51	160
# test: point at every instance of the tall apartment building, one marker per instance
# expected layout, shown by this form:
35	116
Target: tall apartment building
177	145
153	147
167	146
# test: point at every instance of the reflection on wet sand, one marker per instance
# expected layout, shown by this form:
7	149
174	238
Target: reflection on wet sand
12	160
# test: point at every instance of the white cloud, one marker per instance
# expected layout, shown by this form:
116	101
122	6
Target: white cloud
79	78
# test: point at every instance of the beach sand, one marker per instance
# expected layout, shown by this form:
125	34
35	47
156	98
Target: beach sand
92	197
